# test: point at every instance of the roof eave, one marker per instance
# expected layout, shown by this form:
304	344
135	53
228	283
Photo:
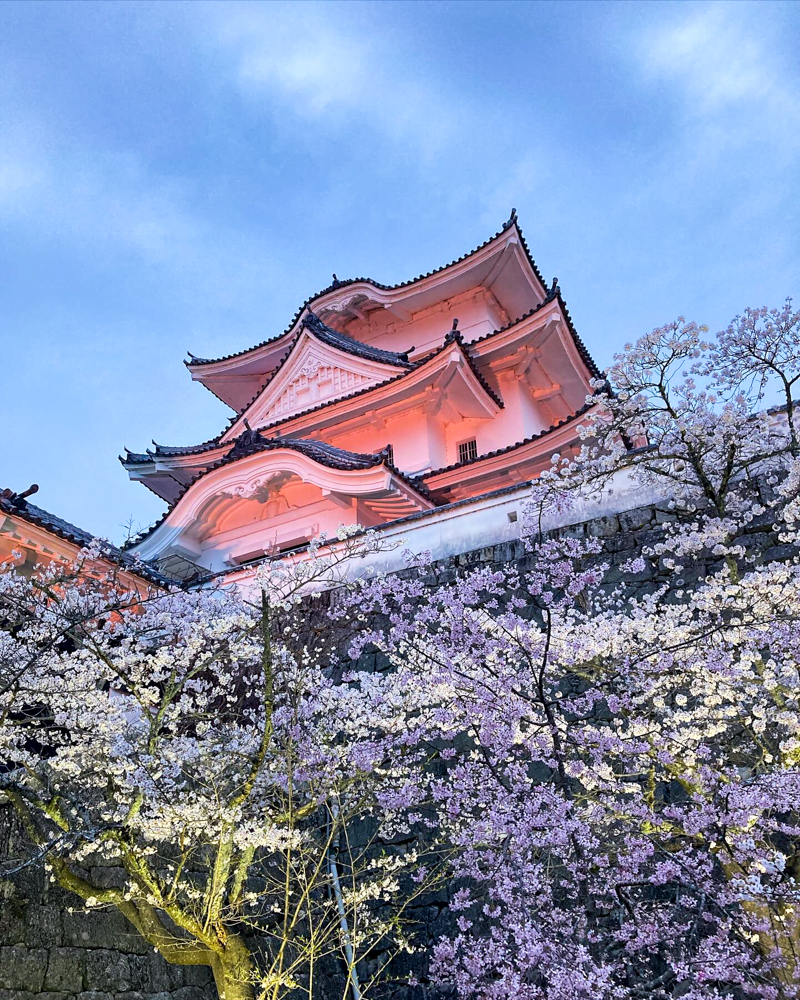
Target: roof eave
438	478
206	368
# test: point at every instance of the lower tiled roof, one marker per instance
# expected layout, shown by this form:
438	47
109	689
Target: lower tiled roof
251	442
326	454
57	526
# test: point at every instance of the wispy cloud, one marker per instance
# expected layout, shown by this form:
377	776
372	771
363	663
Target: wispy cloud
724	62
113	205
327	62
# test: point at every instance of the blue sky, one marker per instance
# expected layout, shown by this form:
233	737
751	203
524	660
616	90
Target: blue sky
180	176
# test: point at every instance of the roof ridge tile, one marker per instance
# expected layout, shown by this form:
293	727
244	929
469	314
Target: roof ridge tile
512	221
62	528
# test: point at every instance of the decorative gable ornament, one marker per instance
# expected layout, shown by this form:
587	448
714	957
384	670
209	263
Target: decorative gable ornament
312	373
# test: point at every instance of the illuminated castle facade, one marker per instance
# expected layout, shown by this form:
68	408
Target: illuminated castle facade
422	408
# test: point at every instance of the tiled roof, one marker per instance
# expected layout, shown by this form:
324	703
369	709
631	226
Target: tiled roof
451	336
191	449
326	454
343	342
455	337
512	221
334	339
553	293
250	442
18	507
138	458
511	447
588	360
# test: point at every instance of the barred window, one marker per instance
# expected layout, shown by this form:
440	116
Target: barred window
389	449
467	450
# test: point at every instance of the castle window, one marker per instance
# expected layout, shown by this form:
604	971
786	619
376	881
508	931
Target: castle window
389	449
468	450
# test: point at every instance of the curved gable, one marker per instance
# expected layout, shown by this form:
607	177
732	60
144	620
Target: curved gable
342	487
314	372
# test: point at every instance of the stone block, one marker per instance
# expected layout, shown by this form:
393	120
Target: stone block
632	520
504	552
621	542
102	929
13	909
30	882
152	974
107	970
95	995
197	975
603	527
140	972
43	926
65	969
22	968
164	976
779	553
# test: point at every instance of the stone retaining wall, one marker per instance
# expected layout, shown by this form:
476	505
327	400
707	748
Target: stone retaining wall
51	949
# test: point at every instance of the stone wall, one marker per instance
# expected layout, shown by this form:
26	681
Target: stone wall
51	950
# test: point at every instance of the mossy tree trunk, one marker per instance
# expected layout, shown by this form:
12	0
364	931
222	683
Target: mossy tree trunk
234	971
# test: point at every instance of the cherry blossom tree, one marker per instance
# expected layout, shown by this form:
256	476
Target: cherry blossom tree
200	743
609	745
618	753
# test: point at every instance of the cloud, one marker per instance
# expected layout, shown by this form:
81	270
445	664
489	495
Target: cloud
329	63
317	66
110	206
724	60
21	169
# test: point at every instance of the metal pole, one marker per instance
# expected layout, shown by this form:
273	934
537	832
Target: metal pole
355	988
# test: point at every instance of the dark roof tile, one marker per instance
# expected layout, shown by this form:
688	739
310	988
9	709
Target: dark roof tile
343	342
77	536
512	221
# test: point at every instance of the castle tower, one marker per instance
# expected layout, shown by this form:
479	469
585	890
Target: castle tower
378	405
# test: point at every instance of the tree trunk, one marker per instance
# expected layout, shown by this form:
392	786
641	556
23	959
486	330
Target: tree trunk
235	972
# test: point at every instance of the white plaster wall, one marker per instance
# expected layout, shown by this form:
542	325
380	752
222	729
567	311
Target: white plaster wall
476	310
459	528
